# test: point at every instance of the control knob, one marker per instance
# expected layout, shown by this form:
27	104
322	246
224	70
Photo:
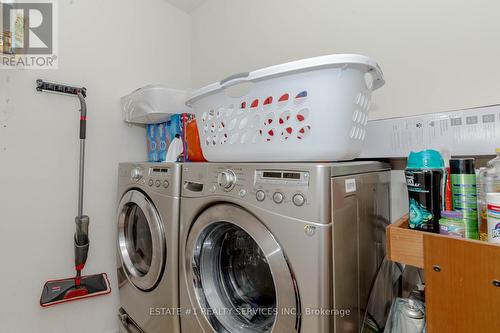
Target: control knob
136	174
298	200
260	195
226	180
278	197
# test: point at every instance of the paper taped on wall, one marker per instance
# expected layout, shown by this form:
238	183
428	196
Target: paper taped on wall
464	132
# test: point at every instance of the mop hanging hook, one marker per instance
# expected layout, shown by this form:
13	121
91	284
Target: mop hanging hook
59	88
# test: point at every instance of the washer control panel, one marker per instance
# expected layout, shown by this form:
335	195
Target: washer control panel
153	177
282	186
158	177
272	188
299	190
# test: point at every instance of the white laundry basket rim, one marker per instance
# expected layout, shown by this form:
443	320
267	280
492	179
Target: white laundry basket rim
304	65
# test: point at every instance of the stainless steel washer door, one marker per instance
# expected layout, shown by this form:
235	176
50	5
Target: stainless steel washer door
141	240
238	277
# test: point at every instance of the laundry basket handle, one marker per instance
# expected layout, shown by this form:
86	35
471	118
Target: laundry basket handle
235	78
378	77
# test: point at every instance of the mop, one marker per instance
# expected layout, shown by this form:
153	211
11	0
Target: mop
77	287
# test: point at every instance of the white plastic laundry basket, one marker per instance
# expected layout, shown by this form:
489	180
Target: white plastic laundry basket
308	110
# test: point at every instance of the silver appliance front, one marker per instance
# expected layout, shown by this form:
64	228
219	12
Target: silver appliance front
360	215
241	281
141	240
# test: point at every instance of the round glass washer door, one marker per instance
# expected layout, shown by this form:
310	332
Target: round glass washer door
141	240
239	277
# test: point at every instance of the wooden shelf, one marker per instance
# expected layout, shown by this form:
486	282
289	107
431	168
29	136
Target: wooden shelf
405	245
462	277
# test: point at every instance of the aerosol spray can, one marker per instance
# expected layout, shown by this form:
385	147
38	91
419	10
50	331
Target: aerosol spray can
406	316
464	193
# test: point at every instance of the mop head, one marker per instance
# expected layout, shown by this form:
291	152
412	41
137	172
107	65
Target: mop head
66	290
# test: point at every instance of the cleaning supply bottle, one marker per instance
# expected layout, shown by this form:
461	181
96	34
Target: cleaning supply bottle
452	224
488	181
493	217
464	192
425	178
481	205
447	192
448	202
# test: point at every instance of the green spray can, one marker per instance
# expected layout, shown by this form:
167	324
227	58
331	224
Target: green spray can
464	193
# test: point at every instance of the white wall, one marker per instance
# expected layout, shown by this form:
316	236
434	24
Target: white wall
436	55
111	47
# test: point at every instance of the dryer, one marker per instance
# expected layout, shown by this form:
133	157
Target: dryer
148	234
280	248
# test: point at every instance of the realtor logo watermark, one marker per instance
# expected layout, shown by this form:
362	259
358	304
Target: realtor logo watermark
28	34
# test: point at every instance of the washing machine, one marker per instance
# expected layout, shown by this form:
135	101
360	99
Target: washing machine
148	235
280	248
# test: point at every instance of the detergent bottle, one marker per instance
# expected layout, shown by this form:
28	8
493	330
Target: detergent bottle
425	179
